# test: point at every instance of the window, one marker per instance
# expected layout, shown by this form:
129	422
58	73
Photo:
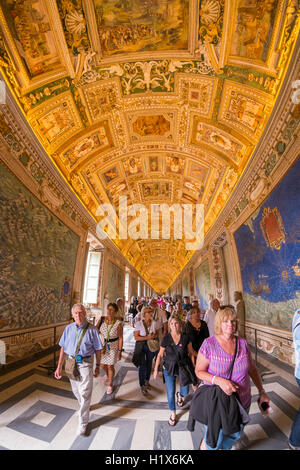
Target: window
139	288
126	291
92	278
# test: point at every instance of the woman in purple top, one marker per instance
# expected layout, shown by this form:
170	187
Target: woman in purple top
213	366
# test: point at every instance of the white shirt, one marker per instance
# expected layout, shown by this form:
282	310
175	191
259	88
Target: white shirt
160	316
139	326
209	318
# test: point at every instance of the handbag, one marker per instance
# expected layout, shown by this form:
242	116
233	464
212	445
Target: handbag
186	370
71	368
153	344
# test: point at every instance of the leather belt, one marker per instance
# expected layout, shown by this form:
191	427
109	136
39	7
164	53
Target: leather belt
112	340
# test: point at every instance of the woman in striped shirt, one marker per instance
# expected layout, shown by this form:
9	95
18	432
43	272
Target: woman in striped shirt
214	362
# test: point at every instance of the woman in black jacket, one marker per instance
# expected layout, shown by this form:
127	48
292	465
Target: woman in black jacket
176	351
196	330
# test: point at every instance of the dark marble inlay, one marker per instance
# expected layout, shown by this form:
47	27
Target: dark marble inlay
24	425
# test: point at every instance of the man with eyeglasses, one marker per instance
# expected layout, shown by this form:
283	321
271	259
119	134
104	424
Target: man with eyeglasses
81	333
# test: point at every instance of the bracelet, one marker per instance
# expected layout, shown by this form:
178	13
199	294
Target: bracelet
261	391
213	379
120	350
97	365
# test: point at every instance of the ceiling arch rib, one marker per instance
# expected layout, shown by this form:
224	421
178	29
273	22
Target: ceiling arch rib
161	102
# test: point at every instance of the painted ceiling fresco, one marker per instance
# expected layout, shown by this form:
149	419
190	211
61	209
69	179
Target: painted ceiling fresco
159	101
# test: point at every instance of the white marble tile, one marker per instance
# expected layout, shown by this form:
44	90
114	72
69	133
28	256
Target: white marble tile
181	440
282	421
20	407
66	436
130	389
254	432
15	440
104	438
143	436
43	418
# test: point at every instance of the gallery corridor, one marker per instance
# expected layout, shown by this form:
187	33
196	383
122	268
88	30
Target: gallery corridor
38	412
148	149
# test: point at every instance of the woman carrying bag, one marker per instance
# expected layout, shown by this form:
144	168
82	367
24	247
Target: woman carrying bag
111	330
175	351
146	337
225	360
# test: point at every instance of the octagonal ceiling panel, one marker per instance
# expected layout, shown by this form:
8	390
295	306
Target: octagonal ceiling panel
160	101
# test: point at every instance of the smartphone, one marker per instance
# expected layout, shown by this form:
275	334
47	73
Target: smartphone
264	408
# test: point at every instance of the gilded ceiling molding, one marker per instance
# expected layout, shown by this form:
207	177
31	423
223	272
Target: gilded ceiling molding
49	185
269	156
167	105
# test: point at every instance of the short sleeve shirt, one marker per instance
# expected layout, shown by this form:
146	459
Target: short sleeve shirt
220	364
139	326
90	343
170	358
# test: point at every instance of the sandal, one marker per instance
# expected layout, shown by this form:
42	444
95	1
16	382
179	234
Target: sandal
172	421
179	400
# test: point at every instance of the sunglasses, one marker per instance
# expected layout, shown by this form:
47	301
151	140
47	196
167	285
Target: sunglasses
222	307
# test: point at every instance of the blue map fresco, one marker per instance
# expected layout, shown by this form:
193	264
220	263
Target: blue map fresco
271	276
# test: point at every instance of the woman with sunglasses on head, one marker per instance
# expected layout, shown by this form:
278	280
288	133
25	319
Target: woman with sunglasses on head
146	329
225	360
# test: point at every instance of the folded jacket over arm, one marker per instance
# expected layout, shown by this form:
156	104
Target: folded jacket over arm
212	407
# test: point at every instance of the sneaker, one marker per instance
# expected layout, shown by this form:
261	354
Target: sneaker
81	430
144	390
293	447
109	390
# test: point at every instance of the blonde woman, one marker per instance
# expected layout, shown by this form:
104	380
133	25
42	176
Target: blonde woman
175	348
214	363
145	330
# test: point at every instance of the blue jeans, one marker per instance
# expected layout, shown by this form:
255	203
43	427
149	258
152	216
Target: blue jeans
225	442
171	388
146	359
295	432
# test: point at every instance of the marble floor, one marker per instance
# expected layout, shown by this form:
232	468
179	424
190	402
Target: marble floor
38	412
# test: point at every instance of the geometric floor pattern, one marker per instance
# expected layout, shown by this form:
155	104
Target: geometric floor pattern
38	412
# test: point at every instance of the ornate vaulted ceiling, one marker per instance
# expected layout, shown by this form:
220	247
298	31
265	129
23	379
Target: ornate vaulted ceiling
160	101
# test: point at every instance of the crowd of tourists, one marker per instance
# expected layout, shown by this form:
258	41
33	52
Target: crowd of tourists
178	340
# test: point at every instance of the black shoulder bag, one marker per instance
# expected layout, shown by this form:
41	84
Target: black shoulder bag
186	369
